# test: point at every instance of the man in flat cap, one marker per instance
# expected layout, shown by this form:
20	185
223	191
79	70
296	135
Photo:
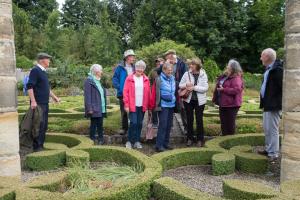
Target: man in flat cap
39	92
179	69
124	69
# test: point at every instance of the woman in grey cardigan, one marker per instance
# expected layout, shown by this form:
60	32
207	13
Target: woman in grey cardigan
95	102
195	80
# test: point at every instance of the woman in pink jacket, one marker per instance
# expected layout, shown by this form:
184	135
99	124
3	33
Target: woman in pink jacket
228	95
136	95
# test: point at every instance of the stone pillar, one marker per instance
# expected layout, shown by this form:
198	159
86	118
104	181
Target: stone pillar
9	134
290	163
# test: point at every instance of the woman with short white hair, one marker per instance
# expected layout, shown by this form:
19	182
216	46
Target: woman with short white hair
95	102
136	96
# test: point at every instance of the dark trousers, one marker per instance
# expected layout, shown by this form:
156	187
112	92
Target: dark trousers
154	118
96	124
136	124
227	118
164	127
38	142
183	114
124	117
191	108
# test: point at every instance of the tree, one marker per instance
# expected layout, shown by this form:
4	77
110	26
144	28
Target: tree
122	13
38	10
78	13
23	31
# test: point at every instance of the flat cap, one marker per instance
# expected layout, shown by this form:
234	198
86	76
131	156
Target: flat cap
41	56
171	51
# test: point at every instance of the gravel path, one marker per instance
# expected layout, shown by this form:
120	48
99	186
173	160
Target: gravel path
201	178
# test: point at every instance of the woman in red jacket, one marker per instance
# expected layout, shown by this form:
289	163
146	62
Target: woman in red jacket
136	96
228	95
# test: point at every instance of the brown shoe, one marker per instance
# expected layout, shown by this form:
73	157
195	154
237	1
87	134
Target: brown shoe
264	152
200	143
189	143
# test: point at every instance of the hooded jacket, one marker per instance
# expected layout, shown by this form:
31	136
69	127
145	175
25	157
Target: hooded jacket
119	77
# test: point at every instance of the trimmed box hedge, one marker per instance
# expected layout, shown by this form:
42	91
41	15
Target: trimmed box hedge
7	194
223	164
55	146
169	189
237	189
185	156
291	188
251	163
45	160
241	148
77	157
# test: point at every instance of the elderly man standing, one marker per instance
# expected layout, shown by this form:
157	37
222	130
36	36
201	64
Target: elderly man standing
179	69
39	92
124	69
271	102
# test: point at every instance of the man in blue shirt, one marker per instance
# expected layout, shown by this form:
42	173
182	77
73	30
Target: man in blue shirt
271	102
39	92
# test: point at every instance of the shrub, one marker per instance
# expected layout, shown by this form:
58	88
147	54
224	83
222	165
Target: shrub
23	62
241	189
212	70
241	148
291	188
252	81
77	157
251	163
223	164
151	52
169	189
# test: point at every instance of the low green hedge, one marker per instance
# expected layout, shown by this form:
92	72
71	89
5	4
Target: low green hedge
223	164
37	194
241	189
291	188
7	194
77	157
169	189
50	182
251	163
70	140
45	160
54	146
241	148
185	156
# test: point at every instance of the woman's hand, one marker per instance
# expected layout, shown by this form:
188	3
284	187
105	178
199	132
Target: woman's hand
220	89
191	88
189	84
126	110
90	112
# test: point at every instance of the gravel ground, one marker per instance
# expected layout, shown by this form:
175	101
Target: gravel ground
201	178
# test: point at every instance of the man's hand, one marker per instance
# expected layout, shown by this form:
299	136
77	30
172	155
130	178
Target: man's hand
33	105
90	112
126	110
56	99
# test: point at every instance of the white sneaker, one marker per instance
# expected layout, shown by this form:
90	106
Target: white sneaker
128	145
138	145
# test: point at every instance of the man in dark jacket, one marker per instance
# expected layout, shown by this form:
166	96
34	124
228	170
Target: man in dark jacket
179	69
124	69
39	92
271	101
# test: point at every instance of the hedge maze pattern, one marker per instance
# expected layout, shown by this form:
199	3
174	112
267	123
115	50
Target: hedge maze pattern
226	154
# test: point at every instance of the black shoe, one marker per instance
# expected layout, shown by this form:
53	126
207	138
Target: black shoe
38	149
160	149
168	148
189	143
264	152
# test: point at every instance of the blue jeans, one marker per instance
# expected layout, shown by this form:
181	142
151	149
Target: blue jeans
164	127
38	142
136	124
96	123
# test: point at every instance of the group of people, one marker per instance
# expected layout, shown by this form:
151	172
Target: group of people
173	86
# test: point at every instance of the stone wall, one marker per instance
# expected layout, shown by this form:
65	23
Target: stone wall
290	164
9	137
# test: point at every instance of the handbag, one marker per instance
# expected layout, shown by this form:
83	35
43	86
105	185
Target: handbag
150	130
184	93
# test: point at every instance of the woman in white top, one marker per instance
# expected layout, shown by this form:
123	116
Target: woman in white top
136	96
195	80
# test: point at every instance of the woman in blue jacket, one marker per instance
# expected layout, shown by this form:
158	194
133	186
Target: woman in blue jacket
95	103
165	95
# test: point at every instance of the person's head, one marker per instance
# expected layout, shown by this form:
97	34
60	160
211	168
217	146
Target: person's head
233	68
43	59
268	56
195	64
129	56
159	62
96	71
171	55
140	67
167	68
